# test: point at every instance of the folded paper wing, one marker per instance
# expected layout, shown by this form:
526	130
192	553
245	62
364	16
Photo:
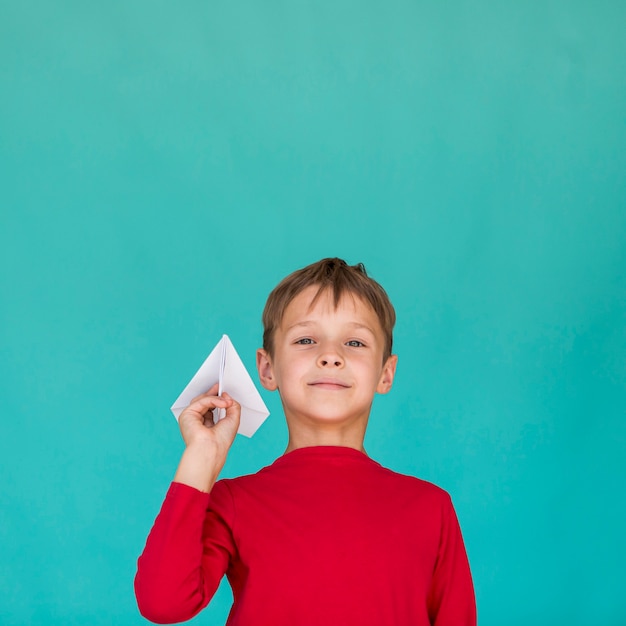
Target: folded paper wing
224	366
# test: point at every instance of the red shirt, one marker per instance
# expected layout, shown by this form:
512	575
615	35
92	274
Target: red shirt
323	536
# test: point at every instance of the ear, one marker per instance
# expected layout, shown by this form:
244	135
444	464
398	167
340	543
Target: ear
389	371
265	369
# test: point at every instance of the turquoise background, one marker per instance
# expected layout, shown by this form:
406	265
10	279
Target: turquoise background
163	166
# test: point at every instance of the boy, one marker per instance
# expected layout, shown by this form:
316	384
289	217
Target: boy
324	535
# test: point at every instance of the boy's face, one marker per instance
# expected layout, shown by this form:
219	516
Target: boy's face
328	361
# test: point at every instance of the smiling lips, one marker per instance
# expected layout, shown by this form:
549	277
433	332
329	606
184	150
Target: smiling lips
329	383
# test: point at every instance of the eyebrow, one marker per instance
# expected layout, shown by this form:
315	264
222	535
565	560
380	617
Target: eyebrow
308	324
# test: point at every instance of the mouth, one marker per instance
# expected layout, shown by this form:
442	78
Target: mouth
332	384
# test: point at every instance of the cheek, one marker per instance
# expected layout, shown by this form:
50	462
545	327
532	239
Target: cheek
370	371
290	369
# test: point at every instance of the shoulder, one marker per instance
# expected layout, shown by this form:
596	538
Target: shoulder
230	495
415	487
228	487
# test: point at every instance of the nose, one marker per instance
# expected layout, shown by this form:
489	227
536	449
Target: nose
330	358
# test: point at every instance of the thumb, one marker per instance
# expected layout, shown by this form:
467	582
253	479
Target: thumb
230	421
234	410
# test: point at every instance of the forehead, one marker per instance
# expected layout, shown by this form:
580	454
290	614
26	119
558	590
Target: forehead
309	306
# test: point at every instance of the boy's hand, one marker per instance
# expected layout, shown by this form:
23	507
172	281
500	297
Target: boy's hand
196	421
207	443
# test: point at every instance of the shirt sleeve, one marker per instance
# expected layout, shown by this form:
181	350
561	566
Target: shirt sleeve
186	554
451	600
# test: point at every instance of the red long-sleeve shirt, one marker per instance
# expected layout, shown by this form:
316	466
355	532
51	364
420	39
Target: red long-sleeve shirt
323	536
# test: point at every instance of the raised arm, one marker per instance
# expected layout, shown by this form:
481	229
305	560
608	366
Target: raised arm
207	444
190	544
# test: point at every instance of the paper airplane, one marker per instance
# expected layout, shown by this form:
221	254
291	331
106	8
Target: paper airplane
224	366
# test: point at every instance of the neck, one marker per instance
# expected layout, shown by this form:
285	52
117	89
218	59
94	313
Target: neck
302	436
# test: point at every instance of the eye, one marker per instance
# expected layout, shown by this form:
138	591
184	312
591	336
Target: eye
355	343
305	341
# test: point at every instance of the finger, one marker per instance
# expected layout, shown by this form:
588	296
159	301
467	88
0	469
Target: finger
232	402
228	426
234	408
204	404
212	402
211	392
208	398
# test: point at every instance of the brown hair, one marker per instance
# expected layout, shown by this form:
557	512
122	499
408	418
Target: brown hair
341	278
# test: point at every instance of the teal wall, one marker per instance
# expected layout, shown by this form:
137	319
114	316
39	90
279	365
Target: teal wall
163	165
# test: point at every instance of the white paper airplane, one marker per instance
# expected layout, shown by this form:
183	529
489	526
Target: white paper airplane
224	366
